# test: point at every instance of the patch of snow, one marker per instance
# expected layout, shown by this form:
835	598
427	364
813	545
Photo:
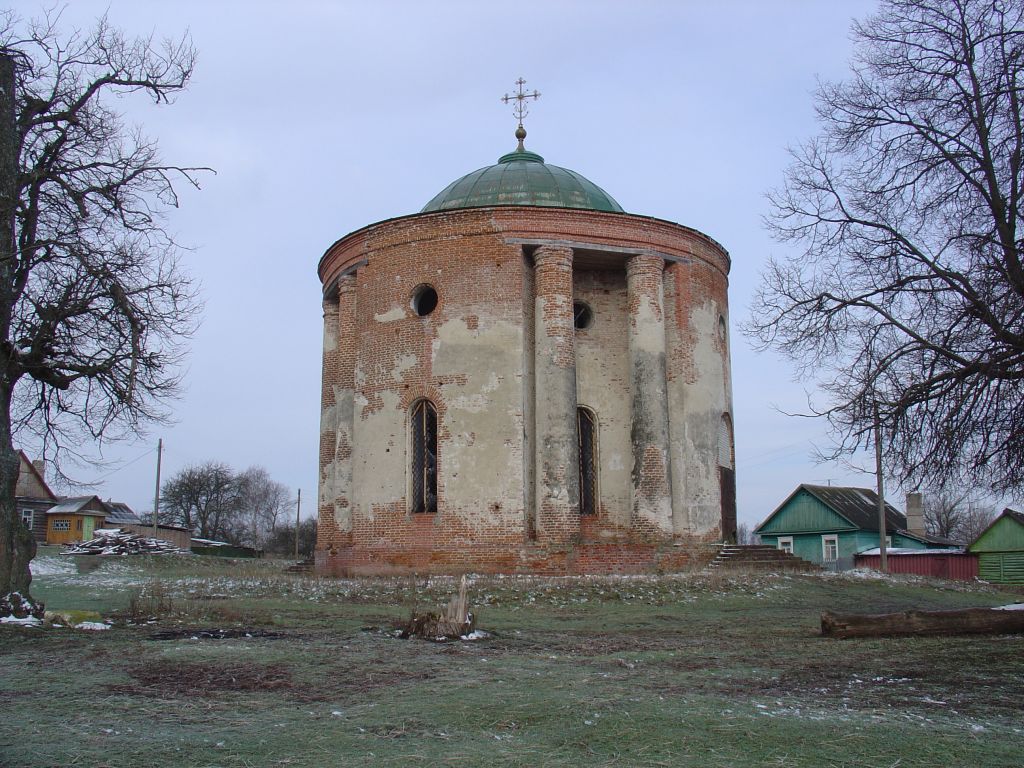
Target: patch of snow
913	551
50	566
1010	607
476	634
92	625
28	621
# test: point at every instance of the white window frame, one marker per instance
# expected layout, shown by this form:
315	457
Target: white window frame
28	518
825	541
785	543
62	524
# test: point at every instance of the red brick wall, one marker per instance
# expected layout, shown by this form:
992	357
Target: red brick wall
474	259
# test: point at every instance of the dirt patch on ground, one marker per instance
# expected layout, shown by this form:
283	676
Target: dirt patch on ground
166	679
214	634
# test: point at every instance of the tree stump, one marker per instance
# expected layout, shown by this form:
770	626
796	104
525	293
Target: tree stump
450	623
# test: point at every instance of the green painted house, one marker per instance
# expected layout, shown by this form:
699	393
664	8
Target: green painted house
1000	549
828	525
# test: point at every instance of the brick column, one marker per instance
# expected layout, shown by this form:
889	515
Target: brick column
557	446
326	525
652	476
345	396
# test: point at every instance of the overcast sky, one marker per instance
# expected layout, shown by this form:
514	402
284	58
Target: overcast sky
322	117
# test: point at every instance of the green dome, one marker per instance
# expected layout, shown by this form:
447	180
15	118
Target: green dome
523	178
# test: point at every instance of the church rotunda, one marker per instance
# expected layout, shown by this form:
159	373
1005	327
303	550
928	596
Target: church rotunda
524	378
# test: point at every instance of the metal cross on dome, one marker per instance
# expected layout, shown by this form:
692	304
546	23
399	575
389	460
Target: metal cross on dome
519	109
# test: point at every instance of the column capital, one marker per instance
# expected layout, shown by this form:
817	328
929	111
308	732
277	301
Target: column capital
644	262
553	255
347	283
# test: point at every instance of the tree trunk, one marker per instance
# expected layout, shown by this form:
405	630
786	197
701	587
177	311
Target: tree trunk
17	545
970	621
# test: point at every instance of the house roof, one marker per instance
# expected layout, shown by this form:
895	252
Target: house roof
928	538
26	463
1008	513
122	514
76	506
859	506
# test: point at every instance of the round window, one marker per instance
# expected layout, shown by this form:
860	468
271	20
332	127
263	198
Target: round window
424	300
582	315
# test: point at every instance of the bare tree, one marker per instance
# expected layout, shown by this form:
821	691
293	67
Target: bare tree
944	512
282	541
93	306
745	535
204	499
262	503
977	517
907	290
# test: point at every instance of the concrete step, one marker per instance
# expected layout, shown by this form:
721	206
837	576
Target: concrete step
758	557
305	566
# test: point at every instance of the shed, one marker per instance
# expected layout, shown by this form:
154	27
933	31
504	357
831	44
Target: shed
1000	549
75	519
177	535
952	563
828	525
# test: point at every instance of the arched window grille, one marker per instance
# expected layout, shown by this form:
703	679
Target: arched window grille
424	456
725	449
586	429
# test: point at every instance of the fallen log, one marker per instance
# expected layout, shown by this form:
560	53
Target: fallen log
969	621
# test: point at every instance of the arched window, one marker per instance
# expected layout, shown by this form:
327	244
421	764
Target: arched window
586	427
423	428
725	448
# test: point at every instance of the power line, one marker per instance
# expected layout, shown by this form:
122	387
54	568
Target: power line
124	466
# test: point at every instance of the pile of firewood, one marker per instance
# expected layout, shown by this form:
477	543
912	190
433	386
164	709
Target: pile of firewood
121	542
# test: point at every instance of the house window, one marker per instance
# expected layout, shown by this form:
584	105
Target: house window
62	525
785	543
830	548
78	524
586	428
423	428
27	518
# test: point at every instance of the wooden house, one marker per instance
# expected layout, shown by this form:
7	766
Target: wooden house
33	496
75	519
828	525
1000	549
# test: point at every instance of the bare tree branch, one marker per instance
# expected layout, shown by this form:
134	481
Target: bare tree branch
907	288
95	311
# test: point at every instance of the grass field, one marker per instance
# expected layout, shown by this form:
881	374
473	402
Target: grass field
235	663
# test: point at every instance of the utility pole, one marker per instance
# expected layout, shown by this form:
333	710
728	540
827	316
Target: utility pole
298	508
881	492
156	496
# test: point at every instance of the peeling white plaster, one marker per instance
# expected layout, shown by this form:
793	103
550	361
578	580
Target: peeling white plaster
396	313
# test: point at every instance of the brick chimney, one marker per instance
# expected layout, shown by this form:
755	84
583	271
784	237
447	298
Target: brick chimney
915	514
